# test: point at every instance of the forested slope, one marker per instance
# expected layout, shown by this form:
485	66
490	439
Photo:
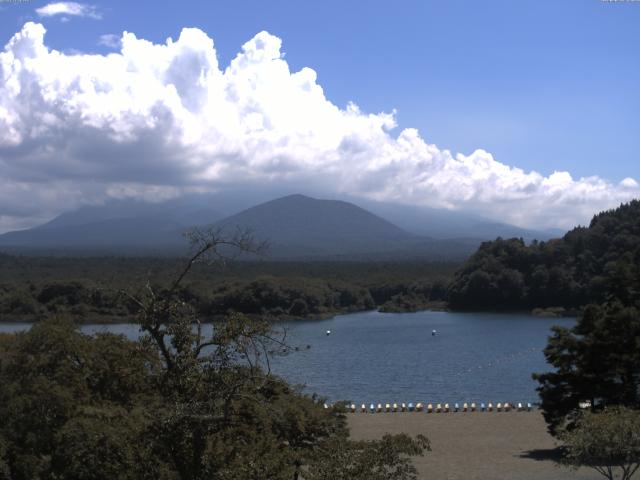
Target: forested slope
593	264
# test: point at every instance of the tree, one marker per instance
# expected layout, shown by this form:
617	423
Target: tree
595	264
597	361
178	403
387	459
4	465
229	418
606	441
52	376
103	443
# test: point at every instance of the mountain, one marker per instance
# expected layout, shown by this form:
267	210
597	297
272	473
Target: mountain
177	211
295	226
299	225
123	226
445	224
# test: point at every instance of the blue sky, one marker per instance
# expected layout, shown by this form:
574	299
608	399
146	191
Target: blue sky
545	85
542	85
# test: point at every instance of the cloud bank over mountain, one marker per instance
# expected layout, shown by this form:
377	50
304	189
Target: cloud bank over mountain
155	121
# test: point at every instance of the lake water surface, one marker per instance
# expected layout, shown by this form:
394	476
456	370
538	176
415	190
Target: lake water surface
392	357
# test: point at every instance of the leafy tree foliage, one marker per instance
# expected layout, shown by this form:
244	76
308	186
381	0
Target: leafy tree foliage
53	376
608	442
176	404
597	361
4	466
588	265
387	459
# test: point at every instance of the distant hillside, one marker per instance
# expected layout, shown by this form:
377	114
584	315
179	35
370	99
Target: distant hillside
297	224
594	264
177	212
447	224
297	227
121	226
301	227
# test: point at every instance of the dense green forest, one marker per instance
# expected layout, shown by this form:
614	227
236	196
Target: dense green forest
93	289
593	264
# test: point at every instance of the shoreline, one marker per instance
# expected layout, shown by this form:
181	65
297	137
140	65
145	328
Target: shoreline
310	318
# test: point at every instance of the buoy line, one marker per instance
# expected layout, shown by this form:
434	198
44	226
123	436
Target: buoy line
437	408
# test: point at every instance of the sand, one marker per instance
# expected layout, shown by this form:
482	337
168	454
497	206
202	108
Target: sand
487	446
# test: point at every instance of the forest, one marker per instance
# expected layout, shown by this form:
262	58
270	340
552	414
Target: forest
595	264
94	289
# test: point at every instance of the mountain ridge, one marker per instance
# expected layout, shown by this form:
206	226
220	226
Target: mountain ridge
296	226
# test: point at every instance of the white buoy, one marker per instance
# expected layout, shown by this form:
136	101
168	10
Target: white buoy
328	332
433	333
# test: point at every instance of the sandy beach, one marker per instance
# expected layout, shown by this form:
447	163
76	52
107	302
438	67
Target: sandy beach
475	446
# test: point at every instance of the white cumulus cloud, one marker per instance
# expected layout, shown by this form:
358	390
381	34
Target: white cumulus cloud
157	120
68	8
109	40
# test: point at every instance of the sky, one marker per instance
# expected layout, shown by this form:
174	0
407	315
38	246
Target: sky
525	112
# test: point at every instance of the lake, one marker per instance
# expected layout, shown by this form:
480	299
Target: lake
393	357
